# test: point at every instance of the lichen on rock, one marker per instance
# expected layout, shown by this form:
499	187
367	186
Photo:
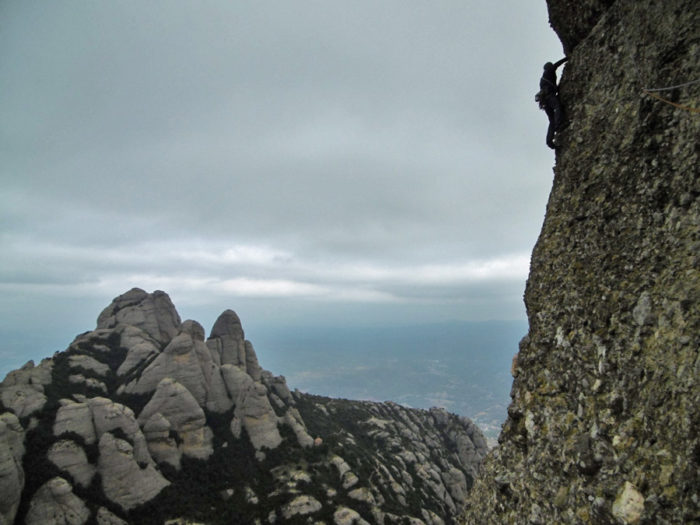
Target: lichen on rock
605	399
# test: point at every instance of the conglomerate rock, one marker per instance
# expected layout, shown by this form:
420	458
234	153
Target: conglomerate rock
69	456
124	481
255	413
173	409
140	347
11	471
573	20
228	345
75	417
153	313
217	438
96	416
105	517
187	360
22	391
108	416
603	424
56	504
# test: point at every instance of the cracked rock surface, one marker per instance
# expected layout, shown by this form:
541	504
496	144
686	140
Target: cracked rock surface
603	424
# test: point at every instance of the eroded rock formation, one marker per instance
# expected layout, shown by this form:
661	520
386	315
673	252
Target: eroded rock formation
11	471
55	503
142	421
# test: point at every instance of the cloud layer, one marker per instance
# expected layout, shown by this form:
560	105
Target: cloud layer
325	155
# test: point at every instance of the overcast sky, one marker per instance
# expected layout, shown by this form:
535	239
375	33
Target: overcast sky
300	161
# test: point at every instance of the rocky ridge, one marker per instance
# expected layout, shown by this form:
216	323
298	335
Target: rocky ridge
142	420
604	422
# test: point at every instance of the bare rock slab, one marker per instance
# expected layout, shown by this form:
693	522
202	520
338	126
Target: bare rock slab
11	471
123	480
56	504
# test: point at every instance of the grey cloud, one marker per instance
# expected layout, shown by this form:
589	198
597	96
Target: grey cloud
333	134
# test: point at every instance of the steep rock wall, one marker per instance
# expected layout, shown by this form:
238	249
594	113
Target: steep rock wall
573	20
604	420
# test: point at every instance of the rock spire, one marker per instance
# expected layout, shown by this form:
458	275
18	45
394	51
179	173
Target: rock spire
142	420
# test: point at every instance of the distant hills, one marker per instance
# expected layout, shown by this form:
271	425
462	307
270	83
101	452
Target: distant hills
461	366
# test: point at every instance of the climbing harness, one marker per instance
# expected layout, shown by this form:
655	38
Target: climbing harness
540	99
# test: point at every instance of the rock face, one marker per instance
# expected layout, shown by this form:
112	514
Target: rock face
124	481
153	313
173	409
22	391
603	425
414	452
574	20
255	413
11	471
188	361
142	421
69	456
228	343
55	503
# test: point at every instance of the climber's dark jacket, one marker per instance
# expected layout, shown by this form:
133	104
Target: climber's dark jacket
548	82
548	98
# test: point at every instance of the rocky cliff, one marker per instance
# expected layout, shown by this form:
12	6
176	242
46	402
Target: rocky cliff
605	414
143	420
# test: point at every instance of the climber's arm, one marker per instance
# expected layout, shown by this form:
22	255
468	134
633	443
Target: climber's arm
560	62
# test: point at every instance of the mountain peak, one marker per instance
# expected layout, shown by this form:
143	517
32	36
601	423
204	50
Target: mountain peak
227	324
153	313
141	420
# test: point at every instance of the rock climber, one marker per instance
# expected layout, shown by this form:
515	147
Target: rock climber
548	99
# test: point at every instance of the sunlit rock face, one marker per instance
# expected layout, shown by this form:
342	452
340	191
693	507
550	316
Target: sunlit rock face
55	502
11	471
153	313
145	420
603	425
22	391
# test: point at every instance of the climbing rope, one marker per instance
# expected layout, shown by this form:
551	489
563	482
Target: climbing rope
680	106
673	87
653	92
